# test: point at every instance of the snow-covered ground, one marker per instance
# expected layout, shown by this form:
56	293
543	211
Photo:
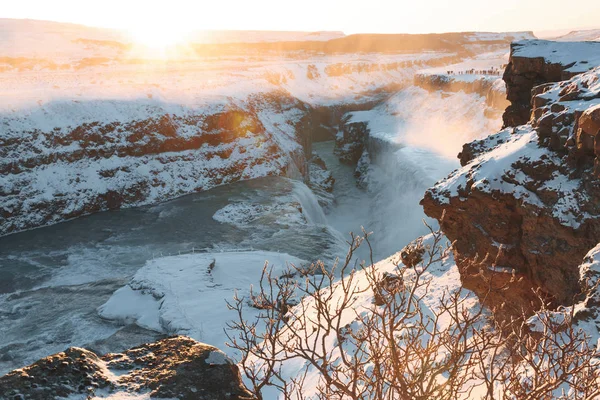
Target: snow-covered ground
485	66
92	77
64	43
494	169
188	295
443	279
580	36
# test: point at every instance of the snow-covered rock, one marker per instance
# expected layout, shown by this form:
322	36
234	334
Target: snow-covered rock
579	36
112	155
188	294
442	279
526	196
535	62
95	122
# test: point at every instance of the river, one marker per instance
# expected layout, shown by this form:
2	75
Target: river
53	279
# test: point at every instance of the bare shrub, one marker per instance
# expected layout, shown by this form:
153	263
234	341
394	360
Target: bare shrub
397	347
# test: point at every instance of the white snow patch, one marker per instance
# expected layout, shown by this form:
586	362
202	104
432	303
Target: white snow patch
185	295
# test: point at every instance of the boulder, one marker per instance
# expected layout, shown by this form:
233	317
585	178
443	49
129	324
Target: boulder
177	367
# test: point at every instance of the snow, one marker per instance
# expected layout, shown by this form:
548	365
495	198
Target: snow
41	106
497	36
242	214
217	358
185	295
21	38
579	56
443	278
579	36
494	171
482	62
586	314
485	170
56	92
118	395
262	36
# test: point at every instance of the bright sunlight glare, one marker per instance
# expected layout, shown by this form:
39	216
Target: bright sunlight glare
159	36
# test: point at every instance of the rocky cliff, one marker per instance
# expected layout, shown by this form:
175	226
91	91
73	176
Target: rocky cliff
528	196
177	367
535	62
141	153
490	87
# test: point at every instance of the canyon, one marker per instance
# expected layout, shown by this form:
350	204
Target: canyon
193	173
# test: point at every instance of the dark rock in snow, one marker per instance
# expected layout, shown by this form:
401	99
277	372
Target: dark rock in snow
176	367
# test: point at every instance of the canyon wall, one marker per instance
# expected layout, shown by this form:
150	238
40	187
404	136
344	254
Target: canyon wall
536	62
527	197
146	153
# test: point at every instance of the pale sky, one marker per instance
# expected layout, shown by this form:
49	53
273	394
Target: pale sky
349	16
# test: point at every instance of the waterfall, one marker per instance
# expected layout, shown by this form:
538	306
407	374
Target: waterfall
396	183
310	205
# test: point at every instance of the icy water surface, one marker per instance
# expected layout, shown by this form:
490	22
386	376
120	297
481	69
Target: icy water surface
52	279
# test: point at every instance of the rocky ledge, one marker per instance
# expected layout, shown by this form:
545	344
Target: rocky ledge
528	198
488	86
177	367
535	62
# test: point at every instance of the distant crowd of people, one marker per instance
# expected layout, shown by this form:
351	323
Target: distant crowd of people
492	71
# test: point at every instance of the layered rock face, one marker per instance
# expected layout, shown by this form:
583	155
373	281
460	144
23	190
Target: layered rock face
177	367
145	156
528	198
535	62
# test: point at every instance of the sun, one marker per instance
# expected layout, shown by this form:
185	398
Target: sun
159	37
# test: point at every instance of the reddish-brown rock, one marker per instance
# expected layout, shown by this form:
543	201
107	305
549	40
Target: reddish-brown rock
537	62
527	197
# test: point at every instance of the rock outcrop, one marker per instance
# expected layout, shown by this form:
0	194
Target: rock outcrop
177	367
321	181
350	141
528	198
535	62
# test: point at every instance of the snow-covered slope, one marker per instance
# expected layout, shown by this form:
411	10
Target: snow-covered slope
262	36
59	42
577	57
581	36
188	295
537	62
